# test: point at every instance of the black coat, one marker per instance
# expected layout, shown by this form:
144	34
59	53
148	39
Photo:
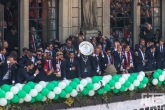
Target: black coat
95	63
160	57
150	64
104	62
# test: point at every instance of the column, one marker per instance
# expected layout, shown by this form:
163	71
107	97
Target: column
163	18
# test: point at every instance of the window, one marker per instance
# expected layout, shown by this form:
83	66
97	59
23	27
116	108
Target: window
42	22
121	20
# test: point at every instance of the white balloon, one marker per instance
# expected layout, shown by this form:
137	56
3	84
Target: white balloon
91	93
131	88
79	88
110	77
62	85
3	102
57	90
42	83
163	73
74	93
96	86
83	82
19	86
66	82
106	79
136	83
27	98
154	81
117	85
9	95
122	80
67	96
161	78
126	89
38	87
144	85
14	90
140	77
44	99
128	75
21	101
51	95
89	80
125	76
142	73
33	93
102	83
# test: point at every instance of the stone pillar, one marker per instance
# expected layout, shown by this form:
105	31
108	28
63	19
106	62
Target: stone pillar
163	18
24	24
136	22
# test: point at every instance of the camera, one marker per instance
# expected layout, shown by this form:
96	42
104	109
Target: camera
99	33
144	26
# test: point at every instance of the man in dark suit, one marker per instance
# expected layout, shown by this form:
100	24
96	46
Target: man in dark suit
8	76
23	76
2	60
49	50
106	43
72	67
140	59
151	61
160	55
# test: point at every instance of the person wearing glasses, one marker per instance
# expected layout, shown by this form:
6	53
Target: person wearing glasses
49	50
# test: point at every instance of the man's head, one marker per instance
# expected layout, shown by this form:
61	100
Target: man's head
99	46
94	39
10	59
68	43
161	41
49	46
126	48
108	51
2	50
14	30
143	49
119	48
5	44
29	53
80	39
97	51
152	48
33	31
14	54
59	55
142	42
24	50
39	54
29	65
148	26
71	54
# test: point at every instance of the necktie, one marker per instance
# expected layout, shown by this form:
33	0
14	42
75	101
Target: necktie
109	59
144	55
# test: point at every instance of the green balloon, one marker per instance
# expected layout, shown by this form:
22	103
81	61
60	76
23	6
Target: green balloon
5	87
26	88
107	87
164	82
119	76
56	97
115	78
85	91
39	97
21	94
31	84
145	80
77	80
111	83
100	77
68	89
135	88
159	71
127	84
15	99
55	83
134	75
32	100
63	94
115	91
89	86
95	79
73	84
2	93
8	102
122	89
156	75
141	85
100	91
45	92
50	86
159	83
131	79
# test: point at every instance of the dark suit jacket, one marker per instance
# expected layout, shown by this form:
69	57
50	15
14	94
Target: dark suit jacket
95	64
160	57
150	64
23	60
104	60
2	66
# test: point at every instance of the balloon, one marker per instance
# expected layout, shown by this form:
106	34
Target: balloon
5	87
50	86
95	79
163	73
21	101
115	78
39	97
117	85
89	80
55	83
33	93
111	82
3	102
51	95
145	80
131	88
127	84
21	94
67	96
14	90
83	82
32	100
91	93
42	83
159	71
73	84
125	76
85	91
45	92
144	85
105	79
79	88
140	77
136	83
9	95
2	93
154	81
56	97
107	88
134	75
77	80
15	99
100	91
38	87
44	98
27	98
110	77
26	88
159	83
156	75
122	89
89	86
161	78
102	83
141	85
100	77
74	93
31	84
19	86
131	79
62	85
62	94
66	82
112	87
142	73
115	91
68	89
57	90
96	86
122	80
